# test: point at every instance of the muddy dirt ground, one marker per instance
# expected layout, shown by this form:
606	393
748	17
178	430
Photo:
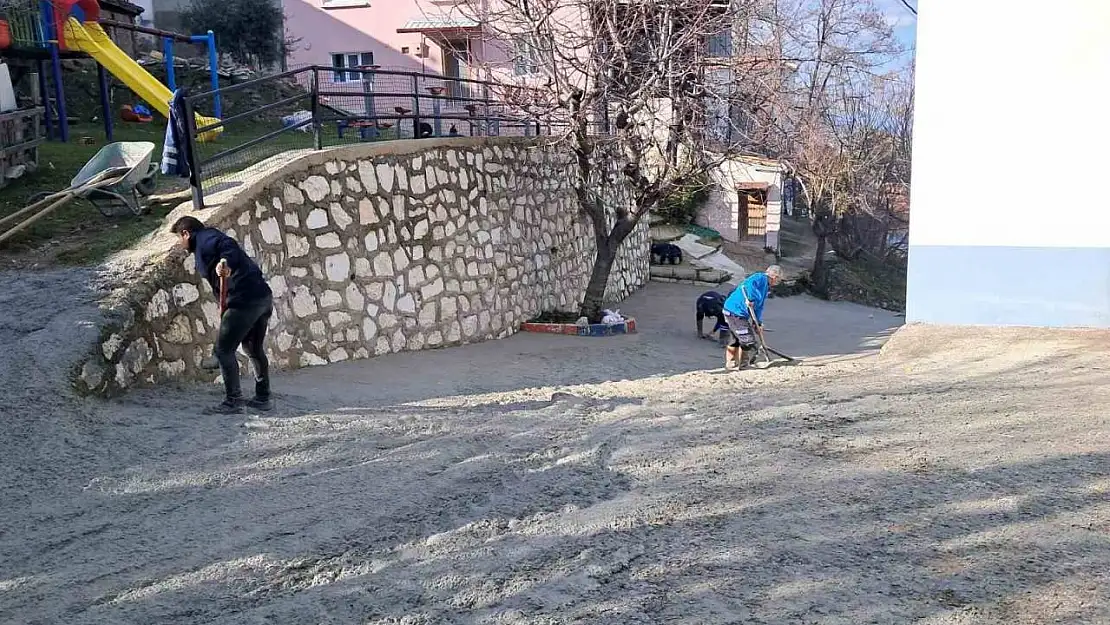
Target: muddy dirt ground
957	477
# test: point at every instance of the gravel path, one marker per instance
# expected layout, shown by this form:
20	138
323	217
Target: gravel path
960	477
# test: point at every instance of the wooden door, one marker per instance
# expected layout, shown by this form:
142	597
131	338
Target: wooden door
753	216
742	218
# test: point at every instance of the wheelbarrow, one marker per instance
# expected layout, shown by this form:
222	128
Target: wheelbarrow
124	194
113	181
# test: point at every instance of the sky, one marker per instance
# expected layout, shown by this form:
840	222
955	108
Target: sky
905	22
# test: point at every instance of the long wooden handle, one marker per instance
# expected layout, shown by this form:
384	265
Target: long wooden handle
54	196
23	225
759	332
223	285
754	323
103	179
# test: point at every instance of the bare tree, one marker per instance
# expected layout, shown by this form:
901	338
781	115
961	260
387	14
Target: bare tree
636	91
859	169
828	119
650	95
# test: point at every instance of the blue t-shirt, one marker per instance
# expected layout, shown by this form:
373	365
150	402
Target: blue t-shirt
755	289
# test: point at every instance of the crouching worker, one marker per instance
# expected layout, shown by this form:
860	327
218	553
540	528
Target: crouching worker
711	304
741	352
249	307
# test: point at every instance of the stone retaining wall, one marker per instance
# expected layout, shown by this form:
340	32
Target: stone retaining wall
370	249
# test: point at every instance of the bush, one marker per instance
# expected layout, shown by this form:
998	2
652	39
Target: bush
681	207
251	31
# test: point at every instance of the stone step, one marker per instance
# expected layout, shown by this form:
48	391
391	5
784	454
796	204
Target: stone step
691	274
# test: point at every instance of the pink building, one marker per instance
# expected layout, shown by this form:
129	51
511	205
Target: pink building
429	36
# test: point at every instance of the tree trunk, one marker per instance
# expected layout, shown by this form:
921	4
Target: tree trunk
607	247
594	300
820	274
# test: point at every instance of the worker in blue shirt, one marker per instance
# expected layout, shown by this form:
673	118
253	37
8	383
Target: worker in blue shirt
752	292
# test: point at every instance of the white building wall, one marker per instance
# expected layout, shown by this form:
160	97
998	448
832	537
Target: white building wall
1011	87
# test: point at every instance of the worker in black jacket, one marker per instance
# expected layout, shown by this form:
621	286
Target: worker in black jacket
710	304
249	307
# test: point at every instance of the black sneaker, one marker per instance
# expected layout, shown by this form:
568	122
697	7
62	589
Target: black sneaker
227	406
264	405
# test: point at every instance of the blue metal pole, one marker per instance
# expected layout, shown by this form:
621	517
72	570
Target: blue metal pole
167	51
214	69
104	102
53	39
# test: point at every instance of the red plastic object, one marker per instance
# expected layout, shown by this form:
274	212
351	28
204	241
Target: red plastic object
5	35
62	9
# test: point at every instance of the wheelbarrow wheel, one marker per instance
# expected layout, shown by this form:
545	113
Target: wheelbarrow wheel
146	186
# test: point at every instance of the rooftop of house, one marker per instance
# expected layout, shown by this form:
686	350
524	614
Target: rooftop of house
121	6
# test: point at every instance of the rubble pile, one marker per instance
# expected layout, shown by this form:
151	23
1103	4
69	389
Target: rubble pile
227	70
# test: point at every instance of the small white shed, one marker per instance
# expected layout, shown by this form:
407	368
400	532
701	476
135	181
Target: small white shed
745	202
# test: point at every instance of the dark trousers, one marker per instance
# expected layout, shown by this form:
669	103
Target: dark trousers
245	325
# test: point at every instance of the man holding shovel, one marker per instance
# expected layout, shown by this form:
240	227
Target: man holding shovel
741	306
246	304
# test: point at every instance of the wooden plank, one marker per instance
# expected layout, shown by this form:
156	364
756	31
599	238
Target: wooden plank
26	145
22	113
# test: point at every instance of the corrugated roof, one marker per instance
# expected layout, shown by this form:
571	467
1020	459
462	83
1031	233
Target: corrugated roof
437	22
122	6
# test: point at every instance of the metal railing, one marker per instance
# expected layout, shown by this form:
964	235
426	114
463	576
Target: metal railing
315	107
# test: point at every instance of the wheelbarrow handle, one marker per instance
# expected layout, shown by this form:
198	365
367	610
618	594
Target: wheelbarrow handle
66	193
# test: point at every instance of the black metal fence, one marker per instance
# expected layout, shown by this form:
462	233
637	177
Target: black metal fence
316	107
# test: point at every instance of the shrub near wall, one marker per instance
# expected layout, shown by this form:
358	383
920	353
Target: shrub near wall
375	249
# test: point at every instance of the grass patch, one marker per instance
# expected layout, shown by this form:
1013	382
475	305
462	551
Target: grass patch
77	234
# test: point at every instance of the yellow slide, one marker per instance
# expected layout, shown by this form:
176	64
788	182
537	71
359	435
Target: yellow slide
91	39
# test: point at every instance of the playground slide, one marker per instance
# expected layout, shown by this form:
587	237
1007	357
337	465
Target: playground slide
91	39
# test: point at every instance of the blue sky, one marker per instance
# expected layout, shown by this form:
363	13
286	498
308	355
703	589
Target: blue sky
905	27
904	21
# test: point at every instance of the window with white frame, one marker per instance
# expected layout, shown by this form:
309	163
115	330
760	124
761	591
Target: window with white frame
341	60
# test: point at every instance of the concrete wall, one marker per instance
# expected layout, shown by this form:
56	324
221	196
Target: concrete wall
371	249
1014	242
722	208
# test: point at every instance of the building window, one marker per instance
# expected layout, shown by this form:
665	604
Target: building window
350	60
526	58
720	45
404	49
